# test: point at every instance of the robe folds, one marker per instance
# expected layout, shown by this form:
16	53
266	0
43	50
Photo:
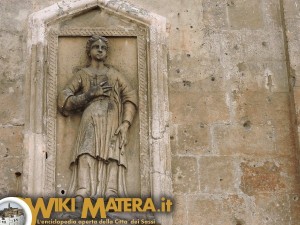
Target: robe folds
96	134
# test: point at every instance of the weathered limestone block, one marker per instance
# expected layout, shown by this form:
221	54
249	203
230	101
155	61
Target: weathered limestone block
213	210
196	75
12	114
208	46
285	143
183	40
217	174
180	210
291	9
262	108
191	107
192	139
268	176
11	78
245	14
272	11
11	168
237	208
292	26
11	141
15	14
214	13
271	209
261	76
232	47
204	209
185	174
262	45
188	17
257	140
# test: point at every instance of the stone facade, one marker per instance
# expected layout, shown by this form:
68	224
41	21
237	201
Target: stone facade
234	99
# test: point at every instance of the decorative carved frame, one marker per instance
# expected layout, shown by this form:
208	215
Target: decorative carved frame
40	90
51	108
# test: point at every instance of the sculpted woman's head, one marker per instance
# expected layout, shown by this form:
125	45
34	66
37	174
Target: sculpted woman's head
96	48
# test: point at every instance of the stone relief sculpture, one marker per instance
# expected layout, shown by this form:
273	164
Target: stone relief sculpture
109	103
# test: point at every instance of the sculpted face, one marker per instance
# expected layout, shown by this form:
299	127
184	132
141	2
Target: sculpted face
98	50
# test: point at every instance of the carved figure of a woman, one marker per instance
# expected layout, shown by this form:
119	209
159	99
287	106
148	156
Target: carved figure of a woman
109	104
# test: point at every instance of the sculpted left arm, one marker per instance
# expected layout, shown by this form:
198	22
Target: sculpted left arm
128	115
130	105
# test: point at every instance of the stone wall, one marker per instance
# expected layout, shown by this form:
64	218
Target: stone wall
234	99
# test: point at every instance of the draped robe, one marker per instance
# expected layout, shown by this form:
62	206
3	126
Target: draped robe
96	134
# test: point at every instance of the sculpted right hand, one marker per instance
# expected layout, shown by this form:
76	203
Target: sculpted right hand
99	90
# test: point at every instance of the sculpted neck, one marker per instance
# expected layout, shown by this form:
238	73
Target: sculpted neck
97	65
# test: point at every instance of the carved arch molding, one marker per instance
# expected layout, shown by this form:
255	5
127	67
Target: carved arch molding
49	31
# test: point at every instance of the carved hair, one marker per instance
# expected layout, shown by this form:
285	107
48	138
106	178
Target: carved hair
91	40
